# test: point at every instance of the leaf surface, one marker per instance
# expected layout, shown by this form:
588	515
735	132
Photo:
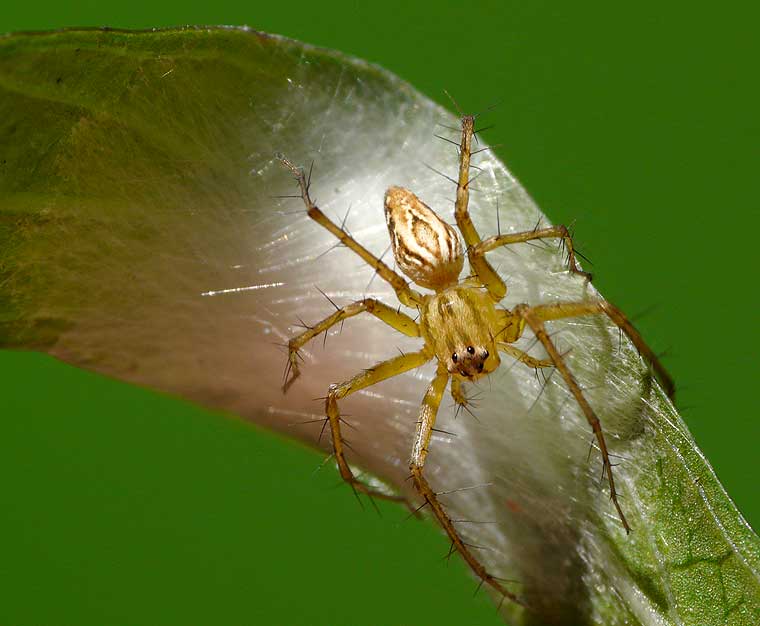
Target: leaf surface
141	236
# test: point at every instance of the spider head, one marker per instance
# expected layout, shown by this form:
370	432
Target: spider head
470	362
460	324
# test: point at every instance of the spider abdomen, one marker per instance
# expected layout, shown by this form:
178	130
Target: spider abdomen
426	248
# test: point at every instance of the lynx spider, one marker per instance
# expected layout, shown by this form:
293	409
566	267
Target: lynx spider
459	323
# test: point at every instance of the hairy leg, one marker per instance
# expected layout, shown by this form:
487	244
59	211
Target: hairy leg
523	357
535	316
552	232
537	326
400	321
405	293
425	424
480	266
381	371
561	310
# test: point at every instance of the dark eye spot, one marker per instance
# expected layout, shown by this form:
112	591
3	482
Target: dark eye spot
470	350
455	357
485	354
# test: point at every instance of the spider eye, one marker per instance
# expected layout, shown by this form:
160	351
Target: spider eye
485	354
470	350
455	357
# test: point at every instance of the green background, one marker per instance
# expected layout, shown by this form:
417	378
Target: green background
639	124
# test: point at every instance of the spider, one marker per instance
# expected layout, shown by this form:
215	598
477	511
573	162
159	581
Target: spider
459	323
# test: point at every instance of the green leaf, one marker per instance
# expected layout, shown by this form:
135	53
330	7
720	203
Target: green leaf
141	237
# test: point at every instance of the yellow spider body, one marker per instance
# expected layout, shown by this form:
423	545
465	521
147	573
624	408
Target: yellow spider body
459	323
462	328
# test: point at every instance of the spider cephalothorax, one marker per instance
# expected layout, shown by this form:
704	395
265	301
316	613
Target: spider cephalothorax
462	326
459	323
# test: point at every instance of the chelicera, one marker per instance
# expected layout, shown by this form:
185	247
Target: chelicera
461	327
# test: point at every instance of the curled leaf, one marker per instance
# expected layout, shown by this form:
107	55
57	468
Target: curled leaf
143	235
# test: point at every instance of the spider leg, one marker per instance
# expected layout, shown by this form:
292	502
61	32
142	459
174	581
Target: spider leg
396	319
478	263
425	424
406	294
547	312
523	357
535	316
552	232
537	325
381	371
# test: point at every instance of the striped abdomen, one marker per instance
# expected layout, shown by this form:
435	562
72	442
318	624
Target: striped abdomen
426	248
